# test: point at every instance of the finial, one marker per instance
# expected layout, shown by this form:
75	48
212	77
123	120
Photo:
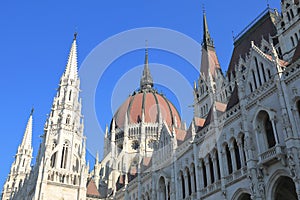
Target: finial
146	48
203	8
32	109
75	35
233	38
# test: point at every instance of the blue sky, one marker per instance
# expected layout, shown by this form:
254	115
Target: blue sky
35	39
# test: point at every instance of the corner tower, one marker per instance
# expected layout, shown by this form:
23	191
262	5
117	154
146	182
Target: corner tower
211	77
20	168
60	171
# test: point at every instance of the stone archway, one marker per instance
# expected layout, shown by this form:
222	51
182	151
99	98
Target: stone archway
245	196
285	189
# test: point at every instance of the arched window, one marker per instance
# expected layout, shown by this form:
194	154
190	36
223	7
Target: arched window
292	41
204	173
263	71
194	177
53	160
189	181
70	95
68	119
243	147
269	132
296	36
298	107
288	16
211	168
23	164
64	155
218	176
266	130
292	13
229	160
254	78
237	155
182	185
251	88
257	70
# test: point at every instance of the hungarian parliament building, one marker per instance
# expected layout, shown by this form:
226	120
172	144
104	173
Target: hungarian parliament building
242	143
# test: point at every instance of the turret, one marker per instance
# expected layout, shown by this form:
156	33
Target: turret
21	167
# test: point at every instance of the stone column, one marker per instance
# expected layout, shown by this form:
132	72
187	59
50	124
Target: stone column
186	184
215	166
199	177
179	188
233	160
241	150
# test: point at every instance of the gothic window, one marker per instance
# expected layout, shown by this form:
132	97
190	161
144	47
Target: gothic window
64	155
237	155
251	88
23	163
292	40
265	128
298	107
243	147
296	36
189	181
229	160
269	132
204	173
53	160
68	119
288	16
70	95
257	70
194	177
263	71
182	185
52	113
292	13
218	176
254	79
211	168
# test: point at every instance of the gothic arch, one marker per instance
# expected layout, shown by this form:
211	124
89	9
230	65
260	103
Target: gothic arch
241	194
273	182
265	131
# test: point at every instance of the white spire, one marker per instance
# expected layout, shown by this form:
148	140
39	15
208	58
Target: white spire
27	138
71	68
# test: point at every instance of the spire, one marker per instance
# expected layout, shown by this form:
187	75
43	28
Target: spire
27	138
207	40
146	80
209	59
71	68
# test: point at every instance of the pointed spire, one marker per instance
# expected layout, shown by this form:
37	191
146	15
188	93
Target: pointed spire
146	80
27	138
71	68
97	158
207	40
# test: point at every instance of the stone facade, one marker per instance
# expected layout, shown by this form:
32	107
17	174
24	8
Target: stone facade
243	142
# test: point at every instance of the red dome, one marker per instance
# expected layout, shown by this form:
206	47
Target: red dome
153	105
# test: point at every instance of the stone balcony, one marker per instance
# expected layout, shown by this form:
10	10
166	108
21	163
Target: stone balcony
271	155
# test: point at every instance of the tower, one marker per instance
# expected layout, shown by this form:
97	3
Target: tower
288	29
211	77
20	168
60	171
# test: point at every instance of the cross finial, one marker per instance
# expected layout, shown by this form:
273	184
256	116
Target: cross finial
32	109
203	8
75	35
